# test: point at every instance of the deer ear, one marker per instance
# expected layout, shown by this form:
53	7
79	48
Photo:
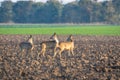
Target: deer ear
30	35
54	33
70	35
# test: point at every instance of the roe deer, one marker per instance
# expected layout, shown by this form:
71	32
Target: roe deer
68	45
46	45
28	45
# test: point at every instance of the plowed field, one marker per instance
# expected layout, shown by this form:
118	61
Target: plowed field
96	58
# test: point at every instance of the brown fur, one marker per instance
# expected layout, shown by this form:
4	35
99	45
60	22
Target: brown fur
68	45
28	45
46	45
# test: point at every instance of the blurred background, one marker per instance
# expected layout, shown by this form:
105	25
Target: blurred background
60	11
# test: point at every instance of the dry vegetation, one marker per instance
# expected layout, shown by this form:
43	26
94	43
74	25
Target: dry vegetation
96	58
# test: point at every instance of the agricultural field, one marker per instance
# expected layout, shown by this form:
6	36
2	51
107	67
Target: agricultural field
96	53
60	29
96	58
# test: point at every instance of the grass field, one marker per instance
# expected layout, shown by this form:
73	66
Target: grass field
60	29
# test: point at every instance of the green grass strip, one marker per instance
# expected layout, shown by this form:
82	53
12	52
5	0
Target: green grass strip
87	30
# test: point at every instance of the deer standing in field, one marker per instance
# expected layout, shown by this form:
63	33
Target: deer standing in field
28	45
68	45
46	45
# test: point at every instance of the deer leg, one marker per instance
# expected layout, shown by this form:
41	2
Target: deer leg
55	52
72	52
26	54
21	54
39	54
60	53
69	52
43	49
32	48
43	52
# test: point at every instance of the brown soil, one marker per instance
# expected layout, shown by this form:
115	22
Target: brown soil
96	58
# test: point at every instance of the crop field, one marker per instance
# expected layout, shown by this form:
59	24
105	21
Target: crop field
96	58
96	53
60	29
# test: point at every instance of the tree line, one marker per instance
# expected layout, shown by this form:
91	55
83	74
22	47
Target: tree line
54	11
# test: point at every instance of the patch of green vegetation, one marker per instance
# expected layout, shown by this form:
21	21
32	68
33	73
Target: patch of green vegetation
60	29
